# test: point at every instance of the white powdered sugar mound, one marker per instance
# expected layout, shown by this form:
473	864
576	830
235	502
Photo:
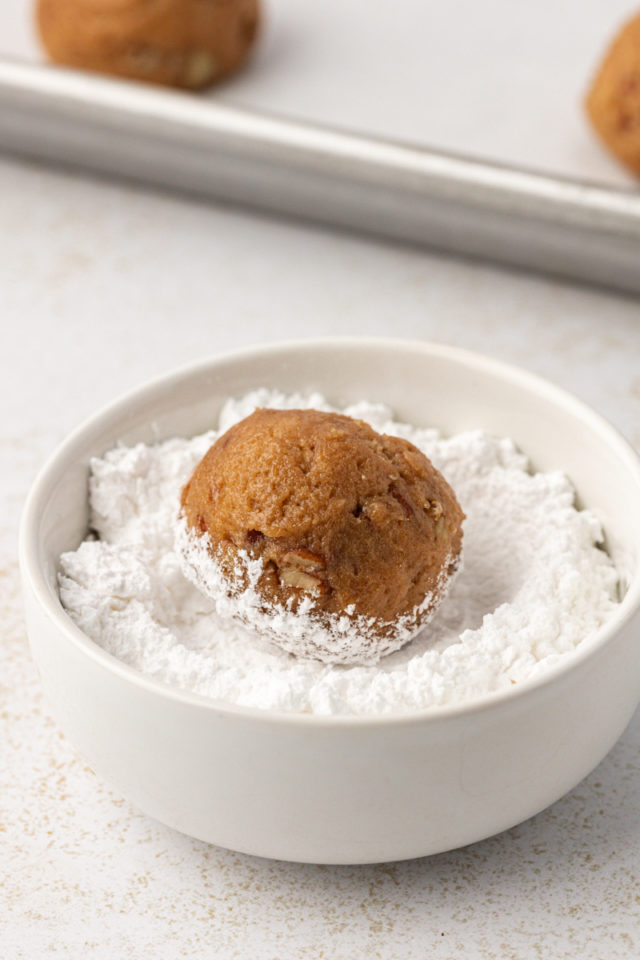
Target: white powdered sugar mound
534	584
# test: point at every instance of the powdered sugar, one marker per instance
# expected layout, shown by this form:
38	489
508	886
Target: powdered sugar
336	639
533	586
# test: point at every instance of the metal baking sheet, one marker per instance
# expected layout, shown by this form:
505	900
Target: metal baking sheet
563	227
497	81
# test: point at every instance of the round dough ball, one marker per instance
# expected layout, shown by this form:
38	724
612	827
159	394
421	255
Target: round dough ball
355	531
180	43
613	102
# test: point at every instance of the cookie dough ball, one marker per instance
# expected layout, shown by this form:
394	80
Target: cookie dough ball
180	43
613	102
346	537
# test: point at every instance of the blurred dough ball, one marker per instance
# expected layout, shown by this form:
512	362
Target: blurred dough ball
180	43
613	102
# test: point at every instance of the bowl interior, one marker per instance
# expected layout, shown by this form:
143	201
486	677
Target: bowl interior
424	384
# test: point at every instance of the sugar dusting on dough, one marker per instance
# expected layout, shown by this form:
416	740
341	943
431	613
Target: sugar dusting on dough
535	582
332	639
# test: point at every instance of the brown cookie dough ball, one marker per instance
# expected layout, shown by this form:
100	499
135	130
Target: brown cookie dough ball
348	525
180	43
613	102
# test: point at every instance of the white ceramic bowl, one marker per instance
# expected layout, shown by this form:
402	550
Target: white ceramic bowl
343	790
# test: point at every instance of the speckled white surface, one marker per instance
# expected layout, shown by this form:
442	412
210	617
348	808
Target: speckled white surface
103	287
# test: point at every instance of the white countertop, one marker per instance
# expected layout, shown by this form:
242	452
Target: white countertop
104	286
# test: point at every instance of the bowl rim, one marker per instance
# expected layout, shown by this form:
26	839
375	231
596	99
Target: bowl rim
33	573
